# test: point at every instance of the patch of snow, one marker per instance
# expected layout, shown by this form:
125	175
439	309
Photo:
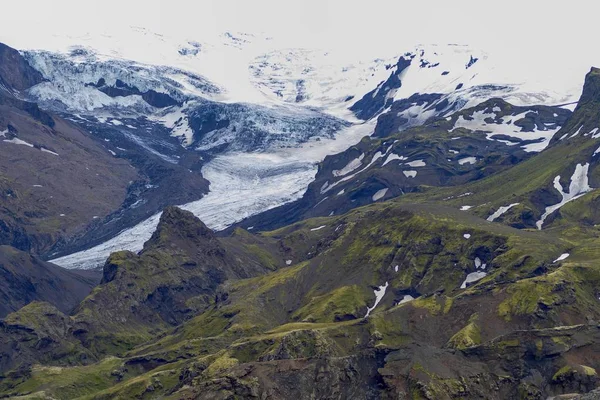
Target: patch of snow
562	257
467	160
416	163
393	157
406	299
410	174
380	194
465	208
376	157
454	151
396	268
501	211
592	133
44	150
540	137
479	264
177	121
473	277
379	293
467	236
318	228
116	122
351	166
578	187
18	141
576	133
37	186
288	262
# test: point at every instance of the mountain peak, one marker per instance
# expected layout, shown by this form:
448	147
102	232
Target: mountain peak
182	228
591	87
585	120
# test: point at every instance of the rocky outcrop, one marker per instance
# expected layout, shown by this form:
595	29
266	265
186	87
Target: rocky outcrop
15	72
152	97
382	96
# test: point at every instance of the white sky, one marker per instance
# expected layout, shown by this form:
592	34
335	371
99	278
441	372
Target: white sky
549	24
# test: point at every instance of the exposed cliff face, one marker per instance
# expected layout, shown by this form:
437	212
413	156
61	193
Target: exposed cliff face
15	72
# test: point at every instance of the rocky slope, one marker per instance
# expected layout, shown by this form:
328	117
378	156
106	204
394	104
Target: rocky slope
26	279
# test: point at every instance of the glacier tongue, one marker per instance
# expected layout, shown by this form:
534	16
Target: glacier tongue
242	185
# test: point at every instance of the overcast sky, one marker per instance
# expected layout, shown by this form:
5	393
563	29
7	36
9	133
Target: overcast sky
522	24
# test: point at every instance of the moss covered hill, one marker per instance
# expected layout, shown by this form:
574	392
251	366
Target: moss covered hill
390	300
556	189
175	277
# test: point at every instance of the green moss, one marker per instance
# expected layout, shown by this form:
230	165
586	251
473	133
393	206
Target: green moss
221	365
154	384
468	336
525	297
264	283
264	257
72	382
569	370
386	330
436	304
508	343
345	301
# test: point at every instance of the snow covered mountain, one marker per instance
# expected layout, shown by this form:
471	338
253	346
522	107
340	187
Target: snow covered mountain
234	100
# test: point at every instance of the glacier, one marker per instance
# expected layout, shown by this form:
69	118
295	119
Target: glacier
242	185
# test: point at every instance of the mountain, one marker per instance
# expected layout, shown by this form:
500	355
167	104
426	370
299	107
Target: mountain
384	300
466	146
175	277
554	182
235	105
439	237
